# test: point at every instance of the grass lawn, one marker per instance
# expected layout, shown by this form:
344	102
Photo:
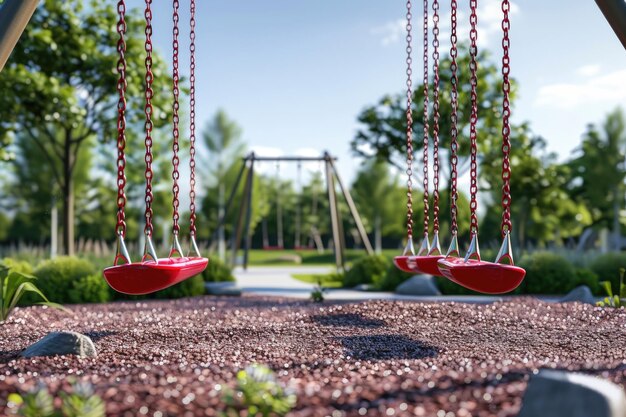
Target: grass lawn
327	280
260	257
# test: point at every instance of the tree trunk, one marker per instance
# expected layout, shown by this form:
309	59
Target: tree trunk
68	196
378	238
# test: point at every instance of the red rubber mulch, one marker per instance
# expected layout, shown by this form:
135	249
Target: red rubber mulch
171	358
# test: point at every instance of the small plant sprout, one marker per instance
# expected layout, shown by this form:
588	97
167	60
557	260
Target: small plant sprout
317	295
258	393
617	300
82	402
13	286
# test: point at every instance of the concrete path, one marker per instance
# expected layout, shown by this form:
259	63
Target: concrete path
277	281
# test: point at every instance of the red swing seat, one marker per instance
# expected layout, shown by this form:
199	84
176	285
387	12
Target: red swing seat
406	263
481	276
429	264
147	277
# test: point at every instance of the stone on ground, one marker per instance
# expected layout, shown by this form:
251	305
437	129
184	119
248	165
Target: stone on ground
419	285
562	394
581	294
222	288
61	343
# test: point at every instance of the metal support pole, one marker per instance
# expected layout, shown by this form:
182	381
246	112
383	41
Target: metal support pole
14	16
334	218
353	211
247	234
615	13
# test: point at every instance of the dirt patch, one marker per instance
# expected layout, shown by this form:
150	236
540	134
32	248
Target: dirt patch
367	358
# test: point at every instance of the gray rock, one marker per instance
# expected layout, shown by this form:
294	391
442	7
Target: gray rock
61	343
222	288
364	287
581	294
419	285
562	394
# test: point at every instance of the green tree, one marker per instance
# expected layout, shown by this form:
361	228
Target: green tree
598	171
58	87
379	198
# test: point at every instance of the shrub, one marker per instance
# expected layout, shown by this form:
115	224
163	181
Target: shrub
82	402
366	270
217	271
448	287
16	265
547	273
13	286
258	393
589	278
617	300
56	277
607	267
90	289
191	287
391	279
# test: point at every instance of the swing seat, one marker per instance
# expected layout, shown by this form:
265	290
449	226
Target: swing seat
481	276
147	277
428	264
406	263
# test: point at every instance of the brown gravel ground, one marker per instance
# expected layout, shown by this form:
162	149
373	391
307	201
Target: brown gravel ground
171	358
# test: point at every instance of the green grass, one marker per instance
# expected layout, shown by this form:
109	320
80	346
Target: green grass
259	257
327	280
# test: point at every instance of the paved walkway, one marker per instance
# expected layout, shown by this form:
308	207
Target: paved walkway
277	281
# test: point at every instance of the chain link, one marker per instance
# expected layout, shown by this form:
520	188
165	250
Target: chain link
409	123
192	118
175	120
454	101
435	116
425	118
148	110
506	127
120	228
473	119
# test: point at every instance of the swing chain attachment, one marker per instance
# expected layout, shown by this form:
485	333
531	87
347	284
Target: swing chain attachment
453	249
435	247
121	251
409	249
149	253
193	249
175	121
426	126
473	120
505	255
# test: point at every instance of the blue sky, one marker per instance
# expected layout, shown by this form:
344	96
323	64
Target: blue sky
295	74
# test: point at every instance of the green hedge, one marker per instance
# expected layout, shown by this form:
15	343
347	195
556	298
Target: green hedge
549	273
366	270
217	271
391	279
607	267
56	278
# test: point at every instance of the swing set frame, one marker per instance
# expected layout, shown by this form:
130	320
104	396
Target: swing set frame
243	235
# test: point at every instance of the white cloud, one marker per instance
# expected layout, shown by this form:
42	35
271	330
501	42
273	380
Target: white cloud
600	89
588	70
489	25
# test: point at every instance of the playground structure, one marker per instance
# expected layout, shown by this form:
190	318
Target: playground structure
242	232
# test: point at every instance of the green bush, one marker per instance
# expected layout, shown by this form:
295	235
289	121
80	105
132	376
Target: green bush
366	270
90	289
589	278
217	271
547	273
607	267
391	279
191	287
448	287
57	277
15	265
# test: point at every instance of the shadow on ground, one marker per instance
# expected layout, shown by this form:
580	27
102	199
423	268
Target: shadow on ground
385	346
347	320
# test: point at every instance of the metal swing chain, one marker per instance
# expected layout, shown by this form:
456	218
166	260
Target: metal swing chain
454	97
148	110
409	124
506	127
436	116
120	228
473	119
425	118
175	120
192	119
